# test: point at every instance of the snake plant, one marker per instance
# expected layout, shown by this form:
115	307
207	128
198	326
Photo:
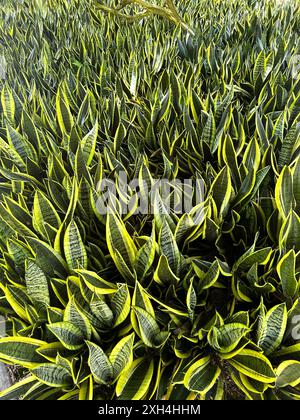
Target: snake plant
156	302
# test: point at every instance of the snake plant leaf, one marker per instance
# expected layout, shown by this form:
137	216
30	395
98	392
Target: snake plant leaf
286	268
6	231
63	361
73	315
288	374
23	148
202	375
284	192
17	390
272	329
161	382
37	284
150	332
64	115
14	222
54	314
81	171
17	299
251	158
209	278
145	256
296	183
97	311
73	201
88	144
289	143
191	300
246	189
74	248
119	137
247	256
69	334
85	108
259	66
99	363
145	181
161	212
16	175
44	213
102	311
221	190
121	356
50	351
8	103
59	288
189	226
47	258
261	257
12	154
86	391
52	375
163	273
241	317
18	252
278	129
169	247
225	338
30	129
118	239
19	211
170	309
142	300
253	364
252	385
127	273
41	390
259	178
69	396
287	353
96	283
289	235
120	304
230	158
21	351
209	131
133	384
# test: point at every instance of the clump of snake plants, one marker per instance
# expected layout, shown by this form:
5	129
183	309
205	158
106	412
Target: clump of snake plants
201	303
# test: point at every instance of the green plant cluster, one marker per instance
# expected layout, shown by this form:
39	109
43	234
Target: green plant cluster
150	306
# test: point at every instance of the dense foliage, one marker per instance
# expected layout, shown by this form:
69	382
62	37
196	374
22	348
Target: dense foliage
151	306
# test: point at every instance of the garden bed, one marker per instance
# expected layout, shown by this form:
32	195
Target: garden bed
150	199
